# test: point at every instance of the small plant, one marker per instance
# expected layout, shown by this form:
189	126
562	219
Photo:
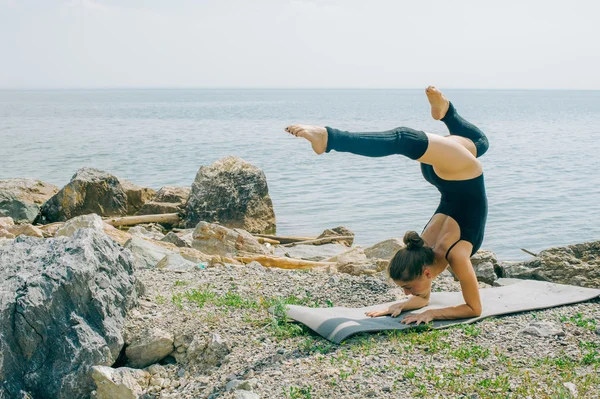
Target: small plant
474	352
180	283
471	330
161	300
298	392
580	321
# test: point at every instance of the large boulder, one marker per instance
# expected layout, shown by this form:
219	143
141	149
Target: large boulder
214	239
339	231
384	249
21	199
137	196
89	191
233	193
148	347
168	199
91	221
63	303
577	264
486	266
315	253
121	383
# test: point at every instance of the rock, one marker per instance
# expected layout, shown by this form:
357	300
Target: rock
213	239
315	253
485	265
210	353
242	394
91	221
503	282
577	264
233	193
21	199
572	388
63	303
121	383
6	234
178	241
6	222
384	249
543	329
118	236
338	232
25	230
148	347
145	253
89	191
247	385
355	255
362	268
175	262
137	196
168	199
141	231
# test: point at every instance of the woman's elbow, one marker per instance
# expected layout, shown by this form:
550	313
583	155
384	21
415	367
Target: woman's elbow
476	310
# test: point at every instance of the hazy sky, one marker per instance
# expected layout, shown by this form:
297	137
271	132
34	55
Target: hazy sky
300	43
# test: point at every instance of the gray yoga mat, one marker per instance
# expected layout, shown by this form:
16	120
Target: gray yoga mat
338	323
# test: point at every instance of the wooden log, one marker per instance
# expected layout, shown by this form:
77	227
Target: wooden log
170	218
528	252
285	239
284	263
319	241
263	240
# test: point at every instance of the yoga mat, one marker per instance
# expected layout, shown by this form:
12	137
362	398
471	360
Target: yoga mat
338	323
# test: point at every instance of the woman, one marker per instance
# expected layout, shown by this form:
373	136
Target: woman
455	231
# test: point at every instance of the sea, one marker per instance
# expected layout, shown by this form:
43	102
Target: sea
542	171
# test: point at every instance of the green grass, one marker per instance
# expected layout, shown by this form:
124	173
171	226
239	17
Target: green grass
293	392
580	321
470	352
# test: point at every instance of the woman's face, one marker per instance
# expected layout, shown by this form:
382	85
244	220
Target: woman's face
417	287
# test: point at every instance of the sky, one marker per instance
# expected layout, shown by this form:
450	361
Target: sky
469	44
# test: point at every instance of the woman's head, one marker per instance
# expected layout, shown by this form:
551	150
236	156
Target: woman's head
408	264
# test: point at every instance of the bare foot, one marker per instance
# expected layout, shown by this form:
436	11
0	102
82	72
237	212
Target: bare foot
439	102
315	134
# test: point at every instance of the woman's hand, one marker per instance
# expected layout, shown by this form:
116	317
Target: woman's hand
423	317
394	310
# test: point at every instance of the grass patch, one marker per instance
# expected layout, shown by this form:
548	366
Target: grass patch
473	353
580	321
293	392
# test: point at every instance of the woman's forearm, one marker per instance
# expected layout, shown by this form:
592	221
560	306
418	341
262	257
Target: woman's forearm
416	302
454	312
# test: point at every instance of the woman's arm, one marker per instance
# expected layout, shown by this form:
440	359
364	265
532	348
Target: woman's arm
460	262
414	302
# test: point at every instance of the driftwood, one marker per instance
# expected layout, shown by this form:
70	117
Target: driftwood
318	241
283	263
170	218
263	240
528	252
284	239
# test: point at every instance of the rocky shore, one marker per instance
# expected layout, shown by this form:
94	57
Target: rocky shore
97	301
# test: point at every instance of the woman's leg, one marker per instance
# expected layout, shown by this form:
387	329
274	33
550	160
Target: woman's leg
401	140
457	125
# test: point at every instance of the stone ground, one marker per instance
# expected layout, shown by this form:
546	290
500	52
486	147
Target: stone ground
280	359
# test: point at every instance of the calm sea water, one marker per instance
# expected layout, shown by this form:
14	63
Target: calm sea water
542	168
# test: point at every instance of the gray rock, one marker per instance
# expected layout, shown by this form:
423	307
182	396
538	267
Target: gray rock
485	265
339	231
146	255
148	347
21	199
543	329
91	221
208	353
577	264
183	242
141	231
137	196
89	191
233	193
384	249
243	394
121	383
175	262
63	303
214	239
315	253
168	199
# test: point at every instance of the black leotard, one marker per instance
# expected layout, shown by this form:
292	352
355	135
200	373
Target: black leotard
463	200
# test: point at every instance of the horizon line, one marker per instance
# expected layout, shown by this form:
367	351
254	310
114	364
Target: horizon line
91	88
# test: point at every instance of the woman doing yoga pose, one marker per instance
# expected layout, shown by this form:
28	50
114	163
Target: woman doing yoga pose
455	231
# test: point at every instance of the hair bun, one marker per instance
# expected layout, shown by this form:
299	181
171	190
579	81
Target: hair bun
413	240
